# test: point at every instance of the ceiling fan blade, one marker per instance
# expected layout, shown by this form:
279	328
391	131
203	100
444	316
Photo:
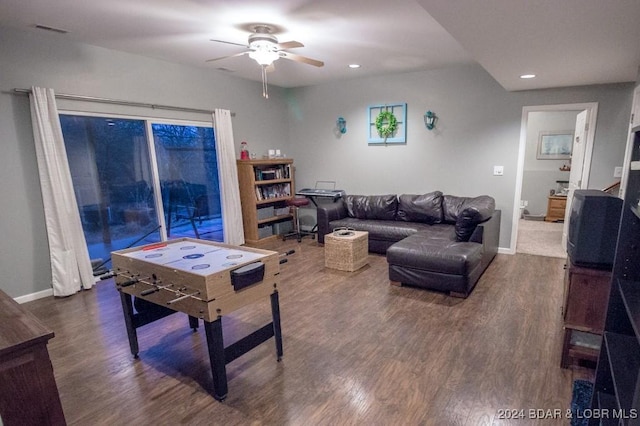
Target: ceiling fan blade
302	59
290	45
228	42
226	57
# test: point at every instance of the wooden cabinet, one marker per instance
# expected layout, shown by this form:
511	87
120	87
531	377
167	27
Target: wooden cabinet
265	186
555	208
28	395
617	382
586	291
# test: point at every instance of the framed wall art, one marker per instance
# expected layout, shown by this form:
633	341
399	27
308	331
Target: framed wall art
555	145
387	124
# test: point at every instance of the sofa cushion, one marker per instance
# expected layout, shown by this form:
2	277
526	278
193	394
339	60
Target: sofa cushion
467	212
436	255
380	207
476	210
392	230
451	207
426	208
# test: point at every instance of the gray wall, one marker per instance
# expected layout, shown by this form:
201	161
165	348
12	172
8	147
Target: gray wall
479	127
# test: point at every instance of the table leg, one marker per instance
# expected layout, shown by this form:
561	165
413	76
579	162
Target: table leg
277	333
215	343
193	323
127	309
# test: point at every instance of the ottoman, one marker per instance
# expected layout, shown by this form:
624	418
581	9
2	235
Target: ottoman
436	264
346	250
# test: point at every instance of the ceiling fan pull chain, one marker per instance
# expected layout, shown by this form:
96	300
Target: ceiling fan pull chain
265	90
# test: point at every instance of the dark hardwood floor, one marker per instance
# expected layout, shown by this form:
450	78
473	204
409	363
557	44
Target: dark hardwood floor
356	351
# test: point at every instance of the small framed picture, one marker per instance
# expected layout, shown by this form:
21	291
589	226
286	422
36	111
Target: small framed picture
555	145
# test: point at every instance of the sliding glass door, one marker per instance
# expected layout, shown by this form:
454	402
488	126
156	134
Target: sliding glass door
118	165
188	173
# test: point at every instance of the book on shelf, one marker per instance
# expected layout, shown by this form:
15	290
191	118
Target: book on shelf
278	190
271	173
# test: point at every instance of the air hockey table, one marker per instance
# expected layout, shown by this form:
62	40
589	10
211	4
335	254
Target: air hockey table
205	280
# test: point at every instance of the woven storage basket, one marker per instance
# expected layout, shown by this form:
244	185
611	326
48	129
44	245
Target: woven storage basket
346	252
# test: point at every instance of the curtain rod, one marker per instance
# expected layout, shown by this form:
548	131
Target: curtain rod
120	102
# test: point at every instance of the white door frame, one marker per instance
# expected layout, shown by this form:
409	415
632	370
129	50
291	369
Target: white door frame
634	121
592	107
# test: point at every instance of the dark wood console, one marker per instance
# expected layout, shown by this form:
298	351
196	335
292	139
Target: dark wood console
586	291
28	395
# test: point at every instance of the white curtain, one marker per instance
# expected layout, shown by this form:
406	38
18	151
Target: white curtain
70	264
228	171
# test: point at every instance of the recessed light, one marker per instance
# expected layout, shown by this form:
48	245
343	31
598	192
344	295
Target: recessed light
528	76
354	66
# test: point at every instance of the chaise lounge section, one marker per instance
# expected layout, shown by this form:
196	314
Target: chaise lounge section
435	241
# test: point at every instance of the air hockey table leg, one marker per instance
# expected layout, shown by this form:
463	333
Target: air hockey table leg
215	344
277	333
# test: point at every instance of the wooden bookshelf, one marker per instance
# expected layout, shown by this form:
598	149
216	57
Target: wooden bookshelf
265	187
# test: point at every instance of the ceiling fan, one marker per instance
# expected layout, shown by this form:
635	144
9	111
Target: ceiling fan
263	47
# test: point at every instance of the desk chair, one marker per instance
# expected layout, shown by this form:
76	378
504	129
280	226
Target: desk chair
294	204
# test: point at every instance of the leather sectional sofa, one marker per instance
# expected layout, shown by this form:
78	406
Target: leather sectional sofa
435	241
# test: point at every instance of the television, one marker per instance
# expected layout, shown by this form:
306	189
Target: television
593	228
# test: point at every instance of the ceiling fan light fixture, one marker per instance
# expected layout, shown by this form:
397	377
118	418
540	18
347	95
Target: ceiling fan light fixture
263	52
264	57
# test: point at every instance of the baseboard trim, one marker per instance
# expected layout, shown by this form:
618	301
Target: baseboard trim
34	296
502	250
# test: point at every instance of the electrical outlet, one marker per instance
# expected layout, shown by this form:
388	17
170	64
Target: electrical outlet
498	170
617	172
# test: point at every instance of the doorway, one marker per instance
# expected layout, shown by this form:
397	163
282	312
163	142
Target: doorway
542	179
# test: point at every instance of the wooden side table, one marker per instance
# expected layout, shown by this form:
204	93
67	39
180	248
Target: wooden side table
586	292
346	250
556	206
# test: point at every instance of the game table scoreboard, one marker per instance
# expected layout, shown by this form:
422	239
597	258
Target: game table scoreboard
205	280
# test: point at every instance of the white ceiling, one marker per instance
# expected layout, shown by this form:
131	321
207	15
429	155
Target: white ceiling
564	42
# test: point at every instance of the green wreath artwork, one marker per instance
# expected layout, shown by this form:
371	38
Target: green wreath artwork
386	124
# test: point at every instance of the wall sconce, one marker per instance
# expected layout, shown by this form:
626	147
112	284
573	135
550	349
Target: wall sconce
342	125
430	119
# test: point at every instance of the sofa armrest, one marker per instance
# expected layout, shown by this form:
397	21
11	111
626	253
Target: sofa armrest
488	234
327	213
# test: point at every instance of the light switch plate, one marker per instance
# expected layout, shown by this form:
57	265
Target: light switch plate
498	170
617	172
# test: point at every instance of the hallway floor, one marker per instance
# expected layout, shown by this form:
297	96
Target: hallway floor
540	238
